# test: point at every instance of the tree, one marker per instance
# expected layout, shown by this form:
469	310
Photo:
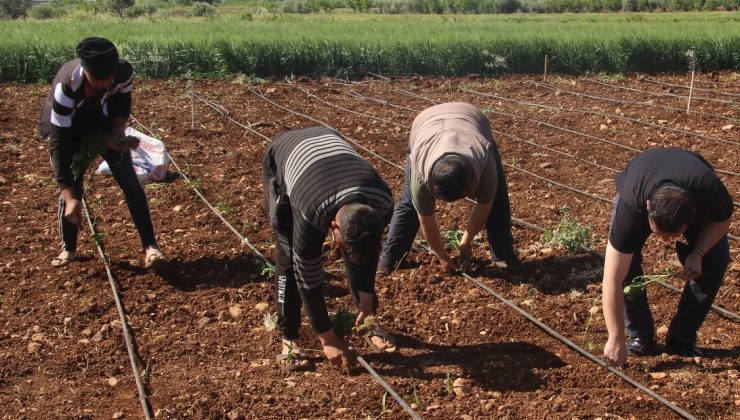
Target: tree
116	6
14	8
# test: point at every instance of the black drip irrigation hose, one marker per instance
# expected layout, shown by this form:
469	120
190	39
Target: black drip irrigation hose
715	91
128	338
543	326
244	240
718	309
602	114
671	95
626	102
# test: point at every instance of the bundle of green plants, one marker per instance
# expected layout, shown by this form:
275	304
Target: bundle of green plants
637	286
453	238
343	323
95	144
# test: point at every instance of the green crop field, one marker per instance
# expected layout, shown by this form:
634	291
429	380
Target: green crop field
350	44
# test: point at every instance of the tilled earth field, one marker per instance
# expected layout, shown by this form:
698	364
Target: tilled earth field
204	349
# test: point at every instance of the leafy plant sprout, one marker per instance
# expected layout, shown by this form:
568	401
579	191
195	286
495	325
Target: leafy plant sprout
223	206
448	382
453	238
569	235
637	286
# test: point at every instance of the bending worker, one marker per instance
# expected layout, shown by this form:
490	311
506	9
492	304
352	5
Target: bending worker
314	183
672	193
451	155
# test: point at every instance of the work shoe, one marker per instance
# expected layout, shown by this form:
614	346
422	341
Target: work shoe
383	269
682	349
640	346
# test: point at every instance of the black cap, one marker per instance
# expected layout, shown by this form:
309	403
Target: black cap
99	57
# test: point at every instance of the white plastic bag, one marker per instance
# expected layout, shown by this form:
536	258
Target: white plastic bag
150	158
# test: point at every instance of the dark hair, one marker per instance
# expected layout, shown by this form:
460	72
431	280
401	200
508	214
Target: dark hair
361	228
671	207
451	176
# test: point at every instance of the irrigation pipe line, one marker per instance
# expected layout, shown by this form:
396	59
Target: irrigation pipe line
515	167
626	102
602	114
206	202
552	332
715	91
501	133
130	344
579	133
580	350
657	93
718	309
218	108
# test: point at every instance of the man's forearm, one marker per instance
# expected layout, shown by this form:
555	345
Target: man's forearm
710	234
616	266
476	222
431	232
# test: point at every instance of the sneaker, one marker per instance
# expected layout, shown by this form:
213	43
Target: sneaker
640	346
682	349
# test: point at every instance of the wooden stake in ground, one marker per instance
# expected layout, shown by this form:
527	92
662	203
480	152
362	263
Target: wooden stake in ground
691	55
691	91
544	76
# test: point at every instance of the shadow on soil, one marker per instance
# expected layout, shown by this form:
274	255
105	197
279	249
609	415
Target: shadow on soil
204	272
492	366
552	275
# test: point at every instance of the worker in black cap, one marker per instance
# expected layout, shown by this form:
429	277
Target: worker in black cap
92	94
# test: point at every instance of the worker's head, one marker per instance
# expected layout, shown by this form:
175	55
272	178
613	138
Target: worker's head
670	211
451	176
99	59
358	229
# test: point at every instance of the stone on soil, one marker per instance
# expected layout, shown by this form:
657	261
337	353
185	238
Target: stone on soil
236	311
112	381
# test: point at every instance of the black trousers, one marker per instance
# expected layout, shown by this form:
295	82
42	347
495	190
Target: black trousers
124	174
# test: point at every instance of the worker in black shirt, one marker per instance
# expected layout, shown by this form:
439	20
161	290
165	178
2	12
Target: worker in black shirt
92	94
672	193
315	183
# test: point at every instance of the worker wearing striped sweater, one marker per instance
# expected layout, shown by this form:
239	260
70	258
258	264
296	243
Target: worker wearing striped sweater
93	94
314	182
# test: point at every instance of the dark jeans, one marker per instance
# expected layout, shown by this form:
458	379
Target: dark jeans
123	172
696	299
405	222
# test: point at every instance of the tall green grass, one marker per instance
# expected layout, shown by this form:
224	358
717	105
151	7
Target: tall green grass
352	44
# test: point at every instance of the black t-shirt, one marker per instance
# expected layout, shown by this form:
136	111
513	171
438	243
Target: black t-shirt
630	226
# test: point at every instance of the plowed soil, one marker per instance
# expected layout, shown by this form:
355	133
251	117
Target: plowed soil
203	347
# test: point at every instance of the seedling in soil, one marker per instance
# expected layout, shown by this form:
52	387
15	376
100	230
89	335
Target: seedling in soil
453	238
569	235
93	145
223	206
270	321
448	383
414	398
637	286
384	402
268	270
97	237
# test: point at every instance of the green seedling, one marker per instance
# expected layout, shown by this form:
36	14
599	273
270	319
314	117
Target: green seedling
384	402
270	321
570	234
637	286
268	270
448	383
453	238
95	144
223	206
97	237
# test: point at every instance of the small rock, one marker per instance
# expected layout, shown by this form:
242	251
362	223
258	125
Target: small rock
261	306
603	127
177	208
236	311
112	381
413	406
204	321
83	341
38	337
658	375
342	410
33	347
545	165
87	332
594	310
223	316
67	320
728	127
461	387
116	324
735	266
697	360
528	302
609	121
290	384
662	121
118	415
235	414
432	407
